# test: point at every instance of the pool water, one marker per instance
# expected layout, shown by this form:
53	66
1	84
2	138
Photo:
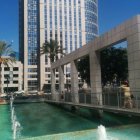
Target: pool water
129	132
44	119
5	123
51	122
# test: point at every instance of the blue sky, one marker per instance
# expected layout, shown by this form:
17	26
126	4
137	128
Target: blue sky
114	12
9	21
111	13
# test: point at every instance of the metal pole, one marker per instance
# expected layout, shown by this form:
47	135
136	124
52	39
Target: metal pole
108	97
118	98
103	98
99	102
137	102
7	85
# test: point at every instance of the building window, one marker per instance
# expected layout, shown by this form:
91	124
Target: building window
6	76
15	69
6	69
32	76
32	31
32	82
47	69
32	70
46	60
6	82
15	82
15	75
68	75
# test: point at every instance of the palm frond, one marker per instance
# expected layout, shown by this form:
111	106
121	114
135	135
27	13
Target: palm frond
52	49
7	55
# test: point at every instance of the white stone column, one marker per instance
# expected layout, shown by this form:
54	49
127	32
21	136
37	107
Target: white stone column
95	78
61	79
53	83
134	62
74	83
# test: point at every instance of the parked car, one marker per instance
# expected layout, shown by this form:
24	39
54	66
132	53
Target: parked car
33	92
19	93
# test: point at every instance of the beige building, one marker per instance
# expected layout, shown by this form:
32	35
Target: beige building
12	77
72	23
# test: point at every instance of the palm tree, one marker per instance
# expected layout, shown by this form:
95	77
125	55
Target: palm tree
52	49
7	56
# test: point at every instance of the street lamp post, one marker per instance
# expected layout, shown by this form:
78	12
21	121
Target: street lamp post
7	82
9	78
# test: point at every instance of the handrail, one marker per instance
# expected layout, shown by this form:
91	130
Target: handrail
115	99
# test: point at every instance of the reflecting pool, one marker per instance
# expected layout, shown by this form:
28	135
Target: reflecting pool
44	119
50	122
5	123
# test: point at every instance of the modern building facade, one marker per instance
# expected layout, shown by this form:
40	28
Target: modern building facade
12	77
72	23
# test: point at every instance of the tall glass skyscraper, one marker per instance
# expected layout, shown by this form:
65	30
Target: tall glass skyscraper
72	23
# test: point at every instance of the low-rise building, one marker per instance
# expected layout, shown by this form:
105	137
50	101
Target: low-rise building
12	77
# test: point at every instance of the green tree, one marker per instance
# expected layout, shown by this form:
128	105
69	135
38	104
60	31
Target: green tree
84	69
52	49
7	57
114	65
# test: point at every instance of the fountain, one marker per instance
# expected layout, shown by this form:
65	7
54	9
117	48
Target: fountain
102	135
12	108
11	101
12	114
16	127
15	123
